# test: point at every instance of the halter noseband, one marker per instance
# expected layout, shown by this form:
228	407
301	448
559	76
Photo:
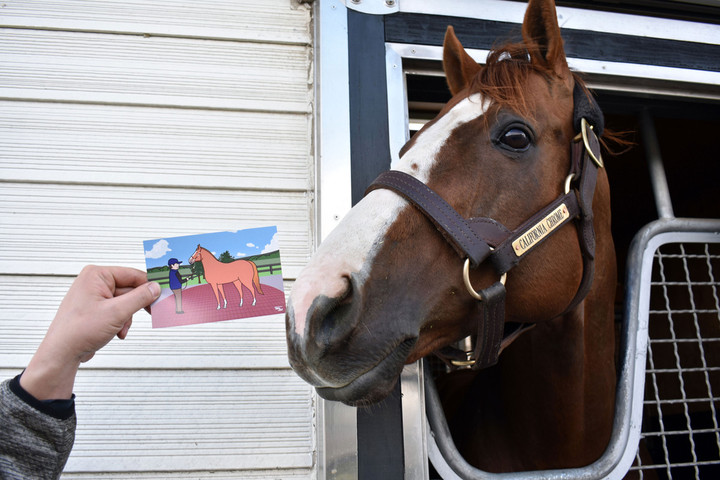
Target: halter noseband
478	240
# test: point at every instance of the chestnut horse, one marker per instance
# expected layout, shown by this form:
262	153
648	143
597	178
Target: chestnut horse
238	272
386	288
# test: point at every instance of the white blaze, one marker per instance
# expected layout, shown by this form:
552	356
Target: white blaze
359	236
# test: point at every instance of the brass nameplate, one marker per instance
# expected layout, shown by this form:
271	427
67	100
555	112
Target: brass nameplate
540	230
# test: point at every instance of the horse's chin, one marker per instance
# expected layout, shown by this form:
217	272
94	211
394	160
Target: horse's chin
373	385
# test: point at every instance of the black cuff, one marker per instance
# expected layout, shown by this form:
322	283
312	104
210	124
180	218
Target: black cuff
60	409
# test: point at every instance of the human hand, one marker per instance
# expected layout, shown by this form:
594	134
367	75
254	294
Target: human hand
98	306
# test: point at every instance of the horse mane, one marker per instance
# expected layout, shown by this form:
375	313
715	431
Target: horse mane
200	247
503	79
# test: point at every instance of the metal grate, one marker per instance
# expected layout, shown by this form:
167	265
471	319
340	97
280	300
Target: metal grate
680	436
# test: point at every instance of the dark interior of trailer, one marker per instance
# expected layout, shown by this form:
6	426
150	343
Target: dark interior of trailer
687	129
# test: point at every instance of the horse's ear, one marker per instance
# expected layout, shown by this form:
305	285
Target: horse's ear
459	67
541	34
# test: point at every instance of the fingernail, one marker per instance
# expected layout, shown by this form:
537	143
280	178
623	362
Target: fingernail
155	289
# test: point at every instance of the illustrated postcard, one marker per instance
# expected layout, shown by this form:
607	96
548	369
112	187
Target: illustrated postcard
215	276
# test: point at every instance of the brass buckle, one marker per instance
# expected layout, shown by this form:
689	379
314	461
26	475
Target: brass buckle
584	125
463	363
468	350
468	285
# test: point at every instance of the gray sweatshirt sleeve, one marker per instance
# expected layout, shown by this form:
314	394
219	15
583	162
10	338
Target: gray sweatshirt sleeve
35	437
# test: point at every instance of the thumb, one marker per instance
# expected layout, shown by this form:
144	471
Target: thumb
124	330
128	303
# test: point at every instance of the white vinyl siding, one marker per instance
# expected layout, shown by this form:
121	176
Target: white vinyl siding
49	142
140	70
123	121
57	228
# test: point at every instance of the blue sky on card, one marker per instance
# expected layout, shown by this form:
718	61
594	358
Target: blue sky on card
241	243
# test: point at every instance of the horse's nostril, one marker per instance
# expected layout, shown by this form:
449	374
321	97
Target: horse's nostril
332	318
333	326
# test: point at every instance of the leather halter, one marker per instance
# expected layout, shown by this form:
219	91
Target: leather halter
480	240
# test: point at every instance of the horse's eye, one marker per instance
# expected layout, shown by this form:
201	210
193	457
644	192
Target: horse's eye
516	138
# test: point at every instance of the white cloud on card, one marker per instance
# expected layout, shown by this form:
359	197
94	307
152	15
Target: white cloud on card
273	245
158	250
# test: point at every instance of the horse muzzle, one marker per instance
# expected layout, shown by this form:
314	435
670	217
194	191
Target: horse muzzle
331	348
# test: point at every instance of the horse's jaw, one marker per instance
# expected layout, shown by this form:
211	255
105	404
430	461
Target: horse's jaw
375	384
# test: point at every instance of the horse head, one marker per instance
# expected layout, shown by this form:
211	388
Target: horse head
197	256
385	288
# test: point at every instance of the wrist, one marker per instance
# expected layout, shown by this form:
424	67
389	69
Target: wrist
59	409
48	377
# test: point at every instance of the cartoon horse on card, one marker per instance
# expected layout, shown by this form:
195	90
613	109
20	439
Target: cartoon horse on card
239	272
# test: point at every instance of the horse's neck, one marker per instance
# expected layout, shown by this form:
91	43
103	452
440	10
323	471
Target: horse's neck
547	404
569	362
551	398
566	369
209	257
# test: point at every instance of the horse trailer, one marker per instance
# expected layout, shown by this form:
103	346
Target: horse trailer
638	59
122	121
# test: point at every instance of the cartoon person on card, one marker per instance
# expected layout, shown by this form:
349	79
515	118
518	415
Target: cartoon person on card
176	283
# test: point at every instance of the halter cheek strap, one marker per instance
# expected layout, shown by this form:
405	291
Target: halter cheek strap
478	240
